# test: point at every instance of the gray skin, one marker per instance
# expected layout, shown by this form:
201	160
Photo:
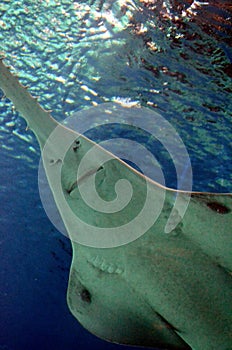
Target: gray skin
169	290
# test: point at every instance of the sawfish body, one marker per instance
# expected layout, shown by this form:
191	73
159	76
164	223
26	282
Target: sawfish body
170	290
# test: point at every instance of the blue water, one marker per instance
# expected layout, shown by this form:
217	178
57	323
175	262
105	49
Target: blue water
35	261
72	59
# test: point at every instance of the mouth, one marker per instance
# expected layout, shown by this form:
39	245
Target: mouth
83	178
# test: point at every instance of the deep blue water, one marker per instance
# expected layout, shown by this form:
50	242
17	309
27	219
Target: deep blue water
35	261
59	50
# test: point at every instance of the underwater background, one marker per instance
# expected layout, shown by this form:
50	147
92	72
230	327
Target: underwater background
171	56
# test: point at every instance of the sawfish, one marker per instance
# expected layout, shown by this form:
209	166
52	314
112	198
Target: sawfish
171	290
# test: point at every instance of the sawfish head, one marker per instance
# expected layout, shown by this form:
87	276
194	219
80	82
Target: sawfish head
169	286
158	291
134	291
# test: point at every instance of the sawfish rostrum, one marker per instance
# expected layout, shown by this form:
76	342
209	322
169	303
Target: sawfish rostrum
169	290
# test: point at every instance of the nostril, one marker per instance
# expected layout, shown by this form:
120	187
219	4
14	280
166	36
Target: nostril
85	296
77	144
100	168
55	161
74	185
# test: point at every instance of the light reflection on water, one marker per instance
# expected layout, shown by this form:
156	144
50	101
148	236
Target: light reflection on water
84	53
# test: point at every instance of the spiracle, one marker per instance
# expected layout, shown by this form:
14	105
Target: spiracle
218	207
